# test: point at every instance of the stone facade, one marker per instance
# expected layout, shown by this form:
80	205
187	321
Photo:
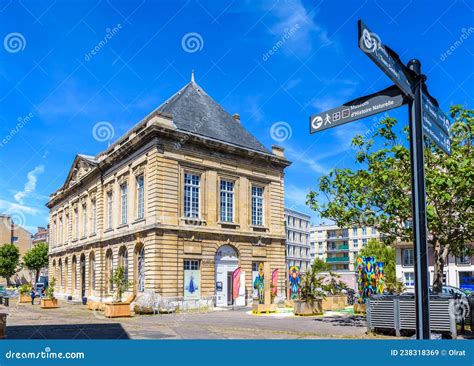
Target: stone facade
153	201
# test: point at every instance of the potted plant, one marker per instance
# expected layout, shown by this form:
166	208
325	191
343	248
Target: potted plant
50	302
24	292
311	295
335	298
117	308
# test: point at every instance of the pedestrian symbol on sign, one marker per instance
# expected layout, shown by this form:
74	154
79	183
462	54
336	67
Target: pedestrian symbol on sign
327	120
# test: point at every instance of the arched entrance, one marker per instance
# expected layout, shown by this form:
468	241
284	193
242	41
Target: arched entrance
227	261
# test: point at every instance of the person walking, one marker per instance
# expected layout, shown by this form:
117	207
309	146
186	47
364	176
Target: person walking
33	295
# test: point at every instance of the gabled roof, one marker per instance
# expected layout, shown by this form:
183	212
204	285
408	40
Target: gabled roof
82	165
194	111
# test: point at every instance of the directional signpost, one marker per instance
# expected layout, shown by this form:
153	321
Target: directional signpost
426	118
358	108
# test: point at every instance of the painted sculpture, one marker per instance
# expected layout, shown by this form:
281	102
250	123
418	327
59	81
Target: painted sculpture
275	282
259	284
294	279
370	278
236	283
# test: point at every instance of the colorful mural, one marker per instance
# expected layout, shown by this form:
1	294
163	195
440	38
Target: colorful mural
275	282
294	280
259	284
370	278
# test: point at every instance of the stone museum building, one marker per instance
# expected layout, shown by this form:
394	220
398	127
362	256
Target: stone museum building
182	200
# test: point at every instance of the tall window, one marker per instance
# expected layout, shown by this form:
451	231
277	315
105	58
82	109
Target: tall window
191	195
408	257
123	261
364	231
140	197
110	208
76	223
93	269
94	217
364	242
60	235
227	201
123	203
355	243
84	220
141	270
257	206
109	270
354	231
66	229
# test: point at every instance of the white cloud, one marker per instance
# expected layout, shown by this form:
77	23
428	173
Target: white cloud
290	13
30	185
11	207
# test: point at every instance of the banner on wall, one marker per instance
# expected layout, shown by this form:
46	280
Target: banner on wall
275	282
192	284
236	283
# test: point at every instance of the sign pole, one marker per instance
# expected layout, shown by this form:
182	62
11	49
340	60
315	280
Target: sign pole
419	206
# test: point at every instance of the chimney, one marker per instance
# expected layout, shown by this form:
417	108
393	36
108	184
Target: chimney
278	151
236	117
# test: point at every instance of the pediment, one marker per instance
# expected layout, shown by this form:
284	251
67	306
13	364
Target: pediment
80	168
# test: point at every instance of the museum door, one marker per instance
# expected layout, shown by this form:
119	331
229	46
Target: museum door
227	262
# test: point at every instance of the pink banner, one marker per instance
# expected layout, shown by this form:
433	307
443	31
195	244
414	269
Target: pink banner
275	282
236	283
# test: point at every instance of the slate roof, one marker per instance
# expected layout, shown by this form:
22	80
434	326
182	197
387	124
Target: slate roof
194	111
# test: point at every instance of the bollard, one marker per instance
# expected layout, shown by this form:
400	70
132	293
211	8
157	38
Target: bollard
3	325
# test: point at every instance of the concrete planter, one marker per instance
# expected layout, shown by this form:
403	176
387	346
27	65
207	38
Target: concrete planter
337	302
360	309
263	308
49	303
117	310
24	299
305	308
3	325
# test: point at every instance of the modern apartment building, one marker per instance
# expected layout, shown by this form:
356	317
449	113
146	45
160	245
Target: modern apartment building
180	201
339	247
298	247
458	272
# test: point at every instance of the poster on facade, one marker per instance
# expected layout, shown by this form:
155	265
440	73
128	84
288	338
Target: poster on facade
192	285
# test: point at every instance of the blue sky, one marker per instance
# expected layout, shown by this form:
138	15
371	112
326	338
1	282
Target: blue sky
54	90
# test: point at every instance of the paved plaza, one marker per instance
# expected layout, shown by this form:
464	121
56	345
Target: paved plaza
76	322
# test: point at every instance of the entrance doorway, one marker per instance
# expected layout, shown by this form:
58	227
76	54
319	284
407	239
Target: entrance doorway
227	262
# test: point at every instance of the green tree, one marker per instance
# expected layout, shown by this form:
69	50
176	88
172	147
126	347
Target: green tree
36	258
319	265
9	261
383	253
379	192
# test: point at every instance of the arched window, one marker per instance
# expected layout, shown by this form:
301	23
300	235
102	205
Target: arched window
66	270
109	270
92	271
123	261
141	270
61	273
74	273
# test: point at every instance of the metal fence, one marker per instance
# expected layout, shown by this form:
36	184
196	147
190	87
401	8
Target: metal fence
397	313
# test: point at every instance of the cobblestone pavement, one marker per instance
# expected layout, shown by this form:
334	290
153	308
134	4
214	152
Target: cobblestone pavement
75	321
